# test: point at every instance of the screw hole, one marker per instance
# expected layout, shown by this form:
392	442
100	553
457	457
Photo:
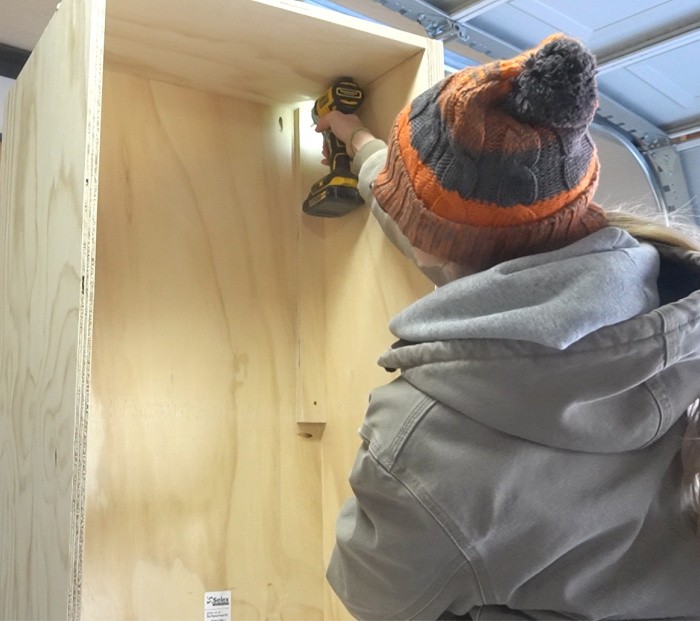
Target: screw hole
306	435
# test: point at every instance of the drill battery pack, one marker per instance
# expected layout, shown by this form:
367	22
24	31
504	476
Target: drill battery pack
333	196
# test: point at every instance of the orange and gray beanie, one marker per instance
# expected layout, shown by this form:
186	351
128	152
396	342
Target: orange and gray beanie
496	162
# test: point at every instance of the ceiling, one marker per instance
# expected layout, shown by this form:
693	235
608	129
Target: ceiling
648	55
644	47
23	21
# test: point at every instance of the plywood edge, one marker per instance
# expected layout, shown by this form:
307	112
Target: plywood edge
95	21
435	61
356	23
311	317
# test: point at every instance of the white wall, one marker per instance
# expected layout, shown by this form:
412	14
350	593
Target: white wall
623	177
5	84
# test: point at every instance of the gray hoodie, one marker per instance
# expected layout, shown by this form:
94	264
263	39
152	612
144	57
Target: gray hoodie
525	463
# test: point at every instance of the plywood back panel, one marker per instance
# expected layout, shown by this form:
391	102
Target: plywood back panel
47	188
276	50
197	479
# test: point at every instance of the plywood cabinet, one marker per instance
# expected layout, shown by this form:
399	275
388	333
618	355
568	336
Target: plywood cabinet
185	356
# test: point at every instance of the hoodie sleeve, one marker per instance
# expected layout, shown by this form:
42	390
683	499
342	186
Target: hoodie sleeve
392	559
368	163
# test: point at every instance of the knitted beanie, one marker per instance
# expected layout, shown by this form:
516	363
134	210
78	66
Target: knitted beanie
496	162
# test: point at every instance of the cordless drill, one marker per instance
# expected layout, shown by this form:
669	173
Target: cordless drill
335	194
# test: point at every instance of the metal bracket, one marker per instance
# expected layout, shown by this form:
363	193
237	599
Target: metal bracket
652	143
437	24
667	164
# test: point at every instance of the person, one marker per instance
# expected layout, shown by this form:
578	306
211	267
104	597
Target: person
537	457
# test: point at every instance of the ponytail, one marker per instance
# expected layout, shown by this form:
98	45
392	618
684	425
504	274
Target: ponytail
655	230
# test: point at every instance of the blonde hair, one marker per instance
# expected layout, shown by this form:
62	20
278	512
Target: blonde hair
679	234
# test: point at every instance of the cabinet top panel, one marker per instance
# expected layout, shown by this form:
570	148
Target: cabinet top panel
273	51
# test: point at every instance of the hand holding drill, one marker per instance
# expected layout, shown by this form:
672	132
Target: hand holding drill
336	193
347	128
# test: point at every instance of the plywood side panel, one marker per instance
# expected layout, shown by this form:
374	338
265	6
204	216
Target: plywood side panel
386	96
366	281
197	480
48	180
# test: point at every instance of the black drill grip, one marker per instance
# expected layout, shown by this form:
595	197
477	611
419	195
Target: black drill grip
338	157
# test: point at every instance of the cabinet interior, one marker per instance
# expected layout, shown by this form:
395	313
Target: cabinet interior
225	321
202	360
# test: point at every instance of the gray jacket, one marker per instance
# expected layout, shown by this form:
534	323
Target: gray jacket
525	463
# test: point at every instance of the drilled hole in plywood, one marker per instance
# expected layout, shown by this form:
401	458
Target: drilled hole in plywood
310	431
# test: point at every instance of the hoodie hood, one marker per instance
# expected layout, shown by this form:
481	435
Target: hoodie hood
571	348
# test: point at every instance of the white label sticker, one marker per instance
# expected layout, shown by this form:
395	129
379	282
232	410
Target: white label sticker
217	606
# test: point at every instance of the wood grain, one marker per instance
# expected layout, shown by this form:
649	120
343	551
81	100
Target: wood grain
171	441
276	51
197	479
46	184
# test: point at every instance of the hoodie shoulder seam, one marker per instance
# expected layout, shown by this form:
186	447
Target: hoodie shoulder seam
419	410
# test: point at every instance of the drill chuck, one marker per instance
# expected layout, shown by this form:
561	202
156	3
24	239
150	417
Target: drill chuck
343	95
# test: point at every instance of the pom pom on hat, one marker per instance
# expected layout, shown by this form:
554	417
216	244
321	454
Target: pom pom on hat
557	86
496	162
